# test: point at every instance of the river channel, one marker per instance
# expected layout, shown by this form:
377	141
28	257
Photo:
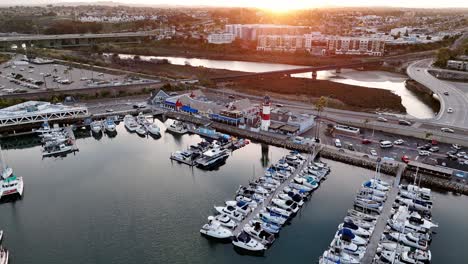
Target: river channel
121	200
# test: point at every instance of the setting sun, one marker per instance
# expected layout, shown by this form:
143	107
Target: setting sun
281	6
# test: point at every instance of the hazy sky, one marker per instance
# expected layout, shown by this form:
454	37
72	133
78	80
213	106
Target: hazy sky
275	4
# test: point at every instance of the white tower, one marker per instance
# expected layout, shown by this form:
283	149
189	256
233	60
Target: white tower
265	114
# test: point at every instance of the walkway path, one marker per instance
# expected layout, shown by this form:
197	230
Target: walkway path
278	190
382	221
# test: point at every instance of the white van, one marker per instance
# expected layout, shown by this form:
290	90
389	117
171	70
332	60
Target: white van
338	143
386	144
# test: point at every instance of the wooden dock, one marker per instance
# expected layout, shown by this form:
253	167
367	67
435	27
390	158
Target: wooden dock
71	136
383	218
278	190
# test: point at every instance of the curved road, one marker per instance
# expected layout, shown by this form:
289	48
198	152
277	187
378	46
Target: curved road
457	98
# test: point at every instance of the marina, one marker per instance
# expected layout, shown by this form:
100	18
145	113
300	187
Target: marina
155	188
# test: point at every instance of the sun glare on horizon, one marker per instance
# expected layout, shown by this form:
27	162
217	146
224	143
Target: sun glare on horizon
280	6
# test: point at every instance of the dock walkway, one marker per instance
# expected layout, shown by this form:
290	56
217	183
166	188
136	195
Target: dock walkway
383	218
278	190
71	135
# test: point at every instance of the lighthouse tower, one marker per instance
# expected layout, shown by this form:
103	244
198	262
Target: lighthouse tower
265	114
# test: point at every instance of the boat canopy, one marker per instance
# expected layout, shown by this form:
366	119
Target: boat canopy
346	233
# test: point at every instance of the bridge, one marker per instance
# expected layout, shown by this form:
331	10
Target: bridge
74	40
314	71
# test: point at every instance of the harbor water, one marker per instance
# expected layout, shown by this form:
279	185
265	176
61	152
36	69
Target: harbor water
121	200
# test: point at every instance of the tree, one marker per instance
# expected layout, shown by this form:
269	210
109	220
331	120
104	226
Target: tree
319	105
428	135
443	55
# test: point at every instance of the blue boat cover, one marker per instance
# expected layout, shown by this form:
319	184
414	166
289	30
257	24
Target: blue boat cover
368	184
345	232
241	203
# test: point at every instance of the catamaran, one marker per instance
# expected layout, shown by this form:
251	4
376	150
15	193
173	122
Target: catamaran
10	184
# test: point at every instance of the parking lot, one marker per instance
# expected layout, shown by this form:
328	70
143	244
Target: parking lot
19	76
411	147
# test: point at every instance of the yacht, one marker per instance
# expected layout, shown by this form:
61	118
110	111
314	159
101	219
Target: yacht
183	156
272	218
130	123
273	210
214	229
177	127
348	247
348	235
10	184
311	184
96	127
3	256
288	205
300	187
411	240
355	229
241	207
141	131
359	222
269	227
57	150
374	184
362	216
224	220
259	233
153	129
245	242
109	125
333	256
230	211
212	158
290	196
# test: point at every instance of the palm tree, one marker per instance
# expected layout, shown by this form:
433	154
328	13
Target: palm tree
319	105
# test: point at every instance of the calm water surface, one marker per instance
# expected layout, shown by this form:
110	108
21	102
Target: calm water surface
121	200
374	79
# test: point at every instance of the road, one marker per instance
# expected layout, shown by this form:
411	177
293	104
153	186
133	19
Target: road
457	98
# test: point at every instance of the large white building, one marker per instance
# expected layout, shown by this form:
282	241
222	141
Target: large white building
458	65
221	38
318	44
252	31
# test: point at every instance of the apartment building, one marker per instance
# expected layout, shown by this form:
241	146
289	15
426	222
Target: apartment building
458	65
221	38
252	31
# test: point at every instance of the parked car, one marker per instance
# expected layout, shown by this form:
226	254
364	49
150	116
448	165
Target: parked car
373	152
425	147
447	130
456	146
386	144
382	119
450	110
365	141
351	147
338	143
404	122
424	153
461	154
405	159
446	93
434	149
398	142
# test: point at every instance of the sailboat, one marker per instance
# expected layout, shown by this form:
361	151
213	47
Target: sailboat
10	184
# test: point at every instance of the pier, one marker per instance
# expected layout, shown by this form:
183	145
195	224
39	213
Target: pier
68	130
383	218
278	190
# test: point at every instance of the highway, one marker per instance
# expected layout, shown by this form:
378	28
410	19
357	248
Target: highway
457	97
77	36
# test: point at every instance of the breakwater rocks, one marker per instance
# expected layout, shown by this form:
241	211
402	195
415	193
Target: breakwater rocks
424	93
437	183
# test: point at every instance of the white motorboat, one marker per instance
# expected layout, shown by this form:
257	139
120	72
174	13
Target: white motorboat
373	192
109	125
273	210
269	227
153	130
368	204
290	196
258	233
288	205
224	220
416	205
57	150
417	255
423	193
212	158
182	156
362	216
371	184
361	223
405	222
300	187
332	257
245	242
130	123
10	184
282	165
3	255
371	197
141	131
381	182
271	218
348	235
311	184
214	229
251	202
348	247
177	127
240	207
410	239
230	211
355	229
96	127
